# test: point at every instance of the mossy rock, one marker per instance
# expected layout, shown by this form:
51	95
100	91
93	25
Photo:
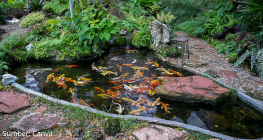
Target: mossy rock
165	51
111	126
120	41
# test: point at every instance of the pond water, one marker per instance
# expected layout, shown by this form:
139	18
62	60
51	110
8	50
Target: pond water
233	117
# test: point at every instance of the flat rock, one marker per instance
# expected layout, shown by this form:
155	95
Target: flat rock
156	132
42	109
193	89
35	122
199	46
10	102
194	63
4	124
227	74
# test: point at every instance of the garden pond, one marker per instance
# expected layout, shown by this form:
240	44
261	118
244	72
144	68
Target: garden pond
234	117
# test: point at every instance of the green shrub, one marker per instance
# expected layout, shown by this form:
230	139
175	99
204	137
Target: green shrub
57	6
51	23
230	37
32	19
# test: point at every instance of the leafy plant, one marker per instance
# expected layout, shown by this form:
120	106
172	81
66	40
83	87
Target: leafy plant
35	5
95	27
57	6
167	18
256	59
224	8
32	19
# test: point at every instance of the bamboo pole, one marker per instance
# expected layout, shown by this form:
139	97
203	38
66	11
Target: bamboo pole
71	13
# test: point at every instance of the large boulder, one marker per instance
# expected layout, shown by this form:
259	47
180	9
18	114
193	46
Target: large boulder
193	89
8	79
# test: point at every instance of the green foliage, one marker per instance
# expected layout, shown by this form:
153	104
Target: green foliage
167	18
226	7
51	23
227	48
251	15
132	8
35	5
56	6
166	51
13	48
32	19
256	59
2	14
194	28
230	37
215	25
95	27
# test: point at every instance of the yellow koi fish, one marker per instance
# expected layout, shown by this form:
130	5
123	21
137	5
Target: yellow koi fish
84	79
119	67
61	77
109	72
79	82
103	68
49	78
156	102
136	111
99	90
140	68
127	99
136	102
165	107
157	65
104	96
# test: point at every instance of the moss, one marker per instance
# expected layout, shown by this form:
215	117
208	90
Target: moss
32	19
120	41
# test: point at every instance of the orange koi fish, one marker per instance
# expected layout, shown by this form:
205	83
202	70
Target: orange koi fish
57	69
68	79
115	82
99	90
74	101
174	116
179	74
143	83
71	66
156	102
116	87
140	74
127	64
155	83
119	67
139	106
136	102
104	96
79	82
127	99
91	105
128	81
140	68
148	79
49	78
62	85
130	50
84	79
110	92
165	107
153	76
142	89
157	65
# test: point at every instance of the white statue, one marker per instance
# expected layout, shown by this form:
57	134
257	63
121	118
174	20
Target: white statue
160	33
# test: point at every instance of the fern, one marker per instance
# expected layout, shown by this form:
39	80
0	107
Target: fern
165	18
254	56
56	6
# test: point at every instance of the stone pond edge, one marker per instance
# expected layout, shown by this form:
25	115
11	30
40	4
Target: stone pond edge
127	117
258	105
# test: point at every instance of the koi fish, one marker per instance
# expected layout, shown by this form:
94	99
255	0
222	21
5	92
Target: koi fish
91	105
49	77
62	85
140	74
179	74
156	102
109	72
153	76
128	81
115	82
133	87
93	67
74	100
127	99
71	91
174	116
119	108
164	70
142	89
140	68
116	87
130	51
165	107
104	96
71	66
124	75
84	79
155	83
61	77
139	106
68	79
150	91
119	67
127	64
136	111
110	92
157	65
79	82
149	103
99	90
57	69
128	88
103	68
153	93
136	102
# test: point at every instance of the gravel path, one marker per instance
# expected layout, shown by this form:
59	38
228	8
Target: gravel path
216	61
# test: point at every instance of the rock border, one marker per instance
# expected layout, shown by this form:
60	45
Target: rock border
127	117
258	105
